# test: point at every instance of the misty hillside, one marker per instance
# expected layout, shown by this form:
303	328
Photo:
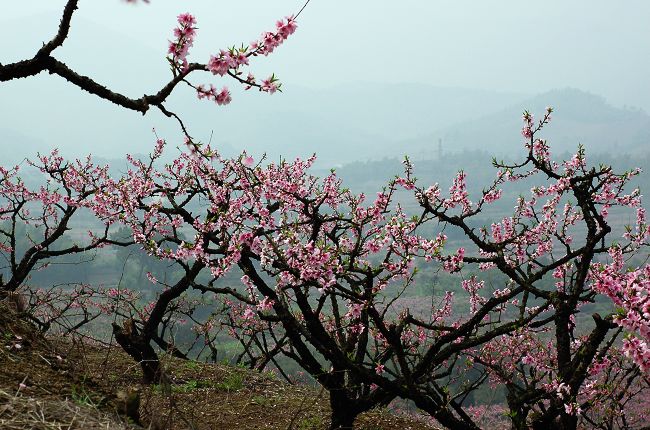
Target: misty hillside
370	176
579	118
341	124
350	122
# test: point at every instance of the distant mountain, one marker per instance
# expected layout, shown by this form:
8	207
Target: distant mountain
17	146
350	122
341	124
579	118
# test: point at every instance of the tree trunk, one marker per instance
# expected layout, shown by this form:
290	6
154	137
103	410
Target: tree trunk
449	421
140	349
555	418
518	413
569	422
344	411
518	421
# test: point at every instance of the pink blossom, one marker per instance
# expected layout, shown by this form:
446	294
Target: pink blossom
152	278
269	85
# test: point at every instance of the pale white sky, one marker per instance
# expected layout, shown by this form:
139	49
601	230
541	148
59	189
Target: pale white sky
510	46
601	46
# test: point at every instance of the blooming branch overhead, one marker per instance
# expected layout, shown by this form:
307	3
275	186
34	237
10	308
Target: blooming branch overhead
227	62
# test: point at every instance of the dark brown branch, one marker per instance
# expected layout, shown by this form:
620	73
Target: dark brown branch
62	34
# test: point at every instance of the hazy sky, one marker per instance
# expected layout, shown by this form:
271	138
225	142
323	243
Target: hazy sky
514	46
602	46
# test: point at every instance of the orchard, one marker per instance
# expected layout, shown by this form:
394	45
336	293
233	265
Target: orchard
323	274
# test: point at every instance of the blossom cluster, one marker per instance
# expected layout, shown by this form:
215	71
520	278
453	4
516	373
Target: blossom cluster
314	257
184	36
227	61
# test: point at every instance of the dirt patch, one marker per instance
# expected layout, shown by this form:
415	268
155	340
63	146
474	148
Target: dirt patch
19	412
214	396
40	387
78	385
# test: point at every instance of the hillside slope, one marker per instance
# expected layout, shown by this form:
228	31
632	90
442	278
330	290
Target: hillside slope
57	384
579	118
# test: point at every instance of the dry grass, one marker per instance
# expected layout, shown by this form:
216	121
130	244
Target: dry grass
18	412
52	384
202	396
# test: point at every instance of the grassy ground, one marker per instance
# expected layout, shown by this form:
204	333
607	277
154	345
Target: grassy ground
56	384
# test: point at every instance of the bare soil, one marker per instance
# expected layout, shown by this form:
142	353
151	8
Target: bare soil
60	383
